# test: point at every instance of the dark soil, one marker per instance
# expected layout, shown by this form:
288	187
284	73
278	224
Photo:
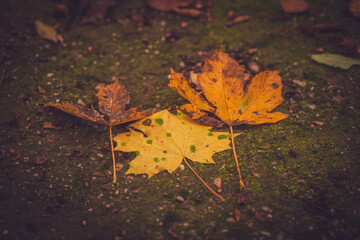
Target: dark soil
302	174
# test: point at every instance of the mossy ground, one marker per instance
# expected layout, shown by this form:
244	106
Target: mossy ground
303	179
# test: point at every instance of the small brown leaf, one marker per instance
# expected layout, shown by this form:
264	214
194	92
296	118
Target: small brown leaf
49	125
16	156
2	77
237	214
16	114
241	200
354	7
3	153
294	6
77	153
259	217
217	182
40	160
336	98
41	90
173	234
167	5
46	31
187	12
319	123
237	20
107	146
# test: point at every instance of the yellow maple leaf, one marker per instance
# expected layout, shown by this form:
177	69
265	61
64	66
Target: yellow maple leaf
163	140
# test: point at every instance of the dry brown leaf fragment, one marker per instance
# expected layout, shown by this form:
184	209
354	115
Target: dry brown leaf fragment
217	182
40	160
187	12
259	216
49	125
318	123
241	200
294	6
16	156
168	5
3	153
355	8
41	90
237	214
2	77
45	31
238	19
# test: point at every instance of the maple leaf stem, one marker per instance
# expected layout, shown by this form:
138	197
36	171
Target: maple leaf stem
242	185
222	199
113	156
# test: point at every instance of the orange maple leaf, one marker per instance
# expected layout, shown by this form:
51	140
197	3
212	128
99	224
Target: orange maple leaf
113	99
227	93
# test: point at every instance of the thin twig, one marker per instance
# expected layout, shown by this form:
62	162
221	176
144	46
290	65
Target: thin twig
113	156
242	185
222	199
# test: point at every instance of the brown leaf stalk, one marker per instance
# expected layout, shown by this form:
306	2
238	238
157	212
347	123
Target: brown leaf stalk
242	185
222	199
113	156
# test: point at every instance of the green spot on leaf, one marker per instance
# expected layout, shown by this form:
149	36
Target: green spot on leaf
192	148
183	122
223	136
210	134
163	158
159	121
149	142
178	113
128	135
206	160
137	153
156	159
244	104
123	144
168	134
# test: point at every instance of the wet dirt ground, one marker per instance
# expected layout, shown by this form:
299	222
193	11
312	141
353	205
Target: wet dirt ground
302	174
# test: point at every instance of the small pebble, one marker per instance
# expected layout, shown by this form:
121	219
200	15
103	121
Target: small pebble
84	223
266	209
312	106
254	67
182	167
265	233
119	166
80	102
180	199
184	25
